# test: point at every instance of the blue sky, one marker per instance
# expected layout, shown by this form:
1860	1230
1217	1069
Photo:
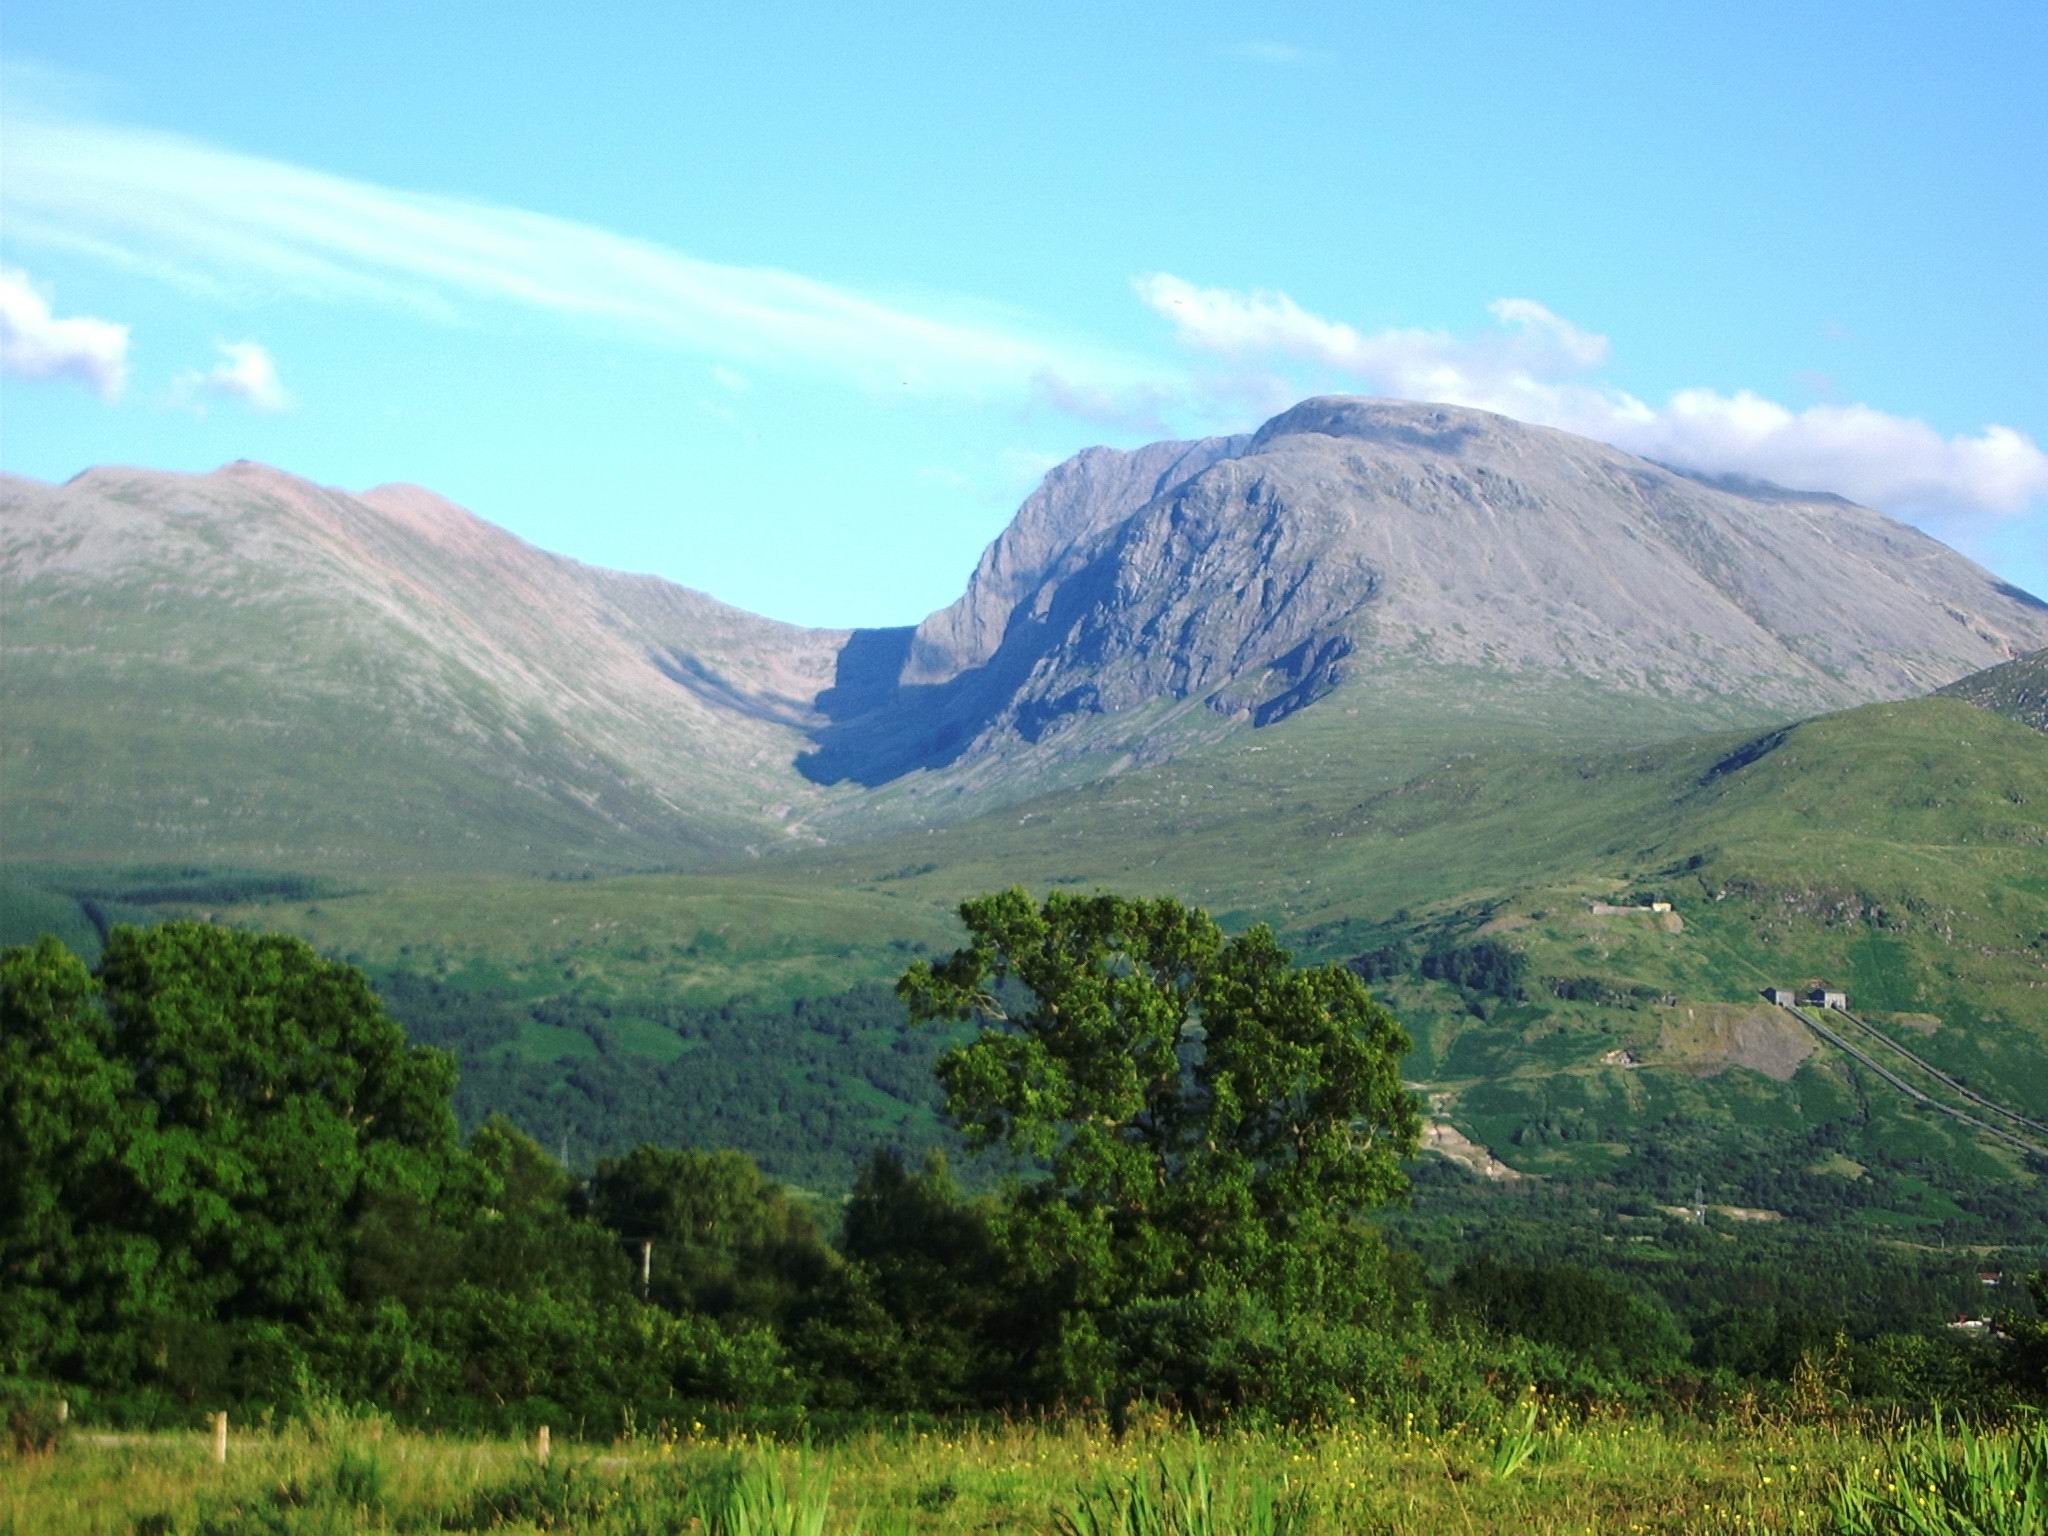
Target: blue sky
794	303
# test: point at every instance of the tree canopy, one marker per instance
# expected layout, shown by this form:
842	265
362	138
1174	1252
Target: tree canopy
1214	1120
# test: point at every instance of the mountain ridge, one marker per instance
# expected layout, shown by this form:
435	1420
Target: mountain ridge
186	654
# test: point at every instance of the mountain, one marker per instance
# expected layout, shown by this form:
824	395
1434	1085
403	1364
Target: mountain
1351	542
2017	689
243	666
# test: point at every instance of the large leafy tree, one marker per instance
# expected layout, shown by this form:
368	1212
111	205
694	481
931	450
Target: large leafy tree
1214	1119
192	1140
280	1099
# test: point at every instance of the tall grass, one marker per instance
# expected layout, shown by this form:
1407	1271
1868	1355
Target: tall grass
1557	1472
1941	1481
1182	1498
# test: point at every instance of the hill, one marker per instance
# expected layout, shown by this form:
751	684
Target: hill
244	667
1497	898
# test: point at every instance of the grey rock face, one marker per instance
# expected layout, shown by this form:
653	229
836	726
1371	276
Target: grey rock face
1348	536
1078	500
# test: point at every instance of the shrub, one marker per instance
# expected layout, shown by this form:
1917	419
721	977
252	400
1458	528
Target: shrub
33	1416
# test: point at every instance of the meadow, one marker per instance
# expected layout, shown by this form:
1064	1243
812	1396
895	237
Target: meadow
1550	1470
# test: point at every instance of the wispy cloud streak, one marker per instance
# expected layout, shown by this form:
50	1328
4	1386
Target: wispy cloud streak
196	213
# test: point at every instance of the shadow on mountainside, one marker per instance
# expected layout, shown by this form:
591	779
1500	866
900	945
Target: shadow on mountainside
876	730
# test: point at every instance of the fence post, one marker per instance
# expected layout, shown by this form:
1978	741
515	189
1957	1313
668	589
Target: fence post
220	1438
540	1446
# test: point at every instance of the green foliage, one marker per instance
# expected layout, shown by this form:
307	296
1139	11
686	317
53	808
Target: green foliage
922	1312
1516	1439
233	1184
31	1422
197	1129
1485	965
63	1145
1602	1473
752	1496
2028	1337
726	1242
1212	1118
1943	1481
806	1086
1181	1498
561	1496
1618	1332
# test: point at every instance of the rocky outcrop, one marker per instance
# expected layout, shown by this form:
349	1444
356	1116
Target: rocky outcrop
2017	689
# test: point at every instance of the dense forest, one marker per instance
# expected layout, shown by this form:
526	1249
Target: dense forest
805	1087
232	1179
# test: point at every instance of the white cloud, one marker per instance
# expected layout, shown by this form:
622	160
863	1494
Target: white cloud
244	373
197	214
1538	366
35	344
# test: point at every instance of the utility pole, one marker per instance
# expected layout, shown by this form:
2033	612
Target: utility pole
1699	1201
646	1265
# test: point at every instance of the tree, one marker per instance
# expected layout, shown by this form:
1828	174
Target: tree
1214	1120
279	1099
62	1178
727	1242
917	1316
190	1142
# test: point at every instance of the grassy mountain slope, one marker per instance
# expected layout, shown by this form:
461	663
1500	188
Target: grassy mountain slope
242	667
1898	850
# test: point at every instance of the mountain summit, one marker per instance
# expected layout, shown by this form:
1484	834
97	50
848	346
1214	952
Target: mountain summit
244	664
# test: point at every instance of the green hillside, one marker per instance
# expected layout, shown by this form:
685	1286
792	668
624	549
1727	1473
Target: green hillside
1896	850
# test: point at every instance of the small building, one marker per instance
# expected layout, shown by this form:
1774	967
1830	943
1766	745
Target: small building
1660	906
1784	997
1827	997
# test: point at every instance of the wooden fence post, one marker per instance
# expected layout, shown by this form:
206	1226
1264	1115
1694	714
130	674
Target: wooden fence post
220	1438
540	1446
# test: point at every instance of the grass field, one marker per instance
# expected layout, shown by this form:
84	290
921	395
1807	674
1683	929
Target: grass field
1548	1472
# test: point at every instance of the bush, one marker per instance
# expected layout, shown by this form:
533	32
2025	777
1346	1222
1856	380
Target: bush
34	1417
